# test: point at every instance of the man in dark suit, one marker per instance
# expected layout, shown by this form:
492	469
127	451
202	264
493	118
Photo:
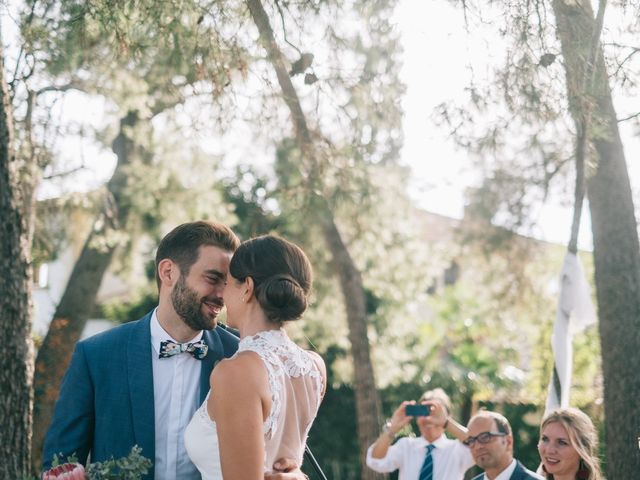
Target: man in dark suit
140	383
491	443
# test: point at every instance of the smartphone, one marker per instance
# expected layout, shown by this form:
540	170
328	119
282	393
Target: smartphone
417	410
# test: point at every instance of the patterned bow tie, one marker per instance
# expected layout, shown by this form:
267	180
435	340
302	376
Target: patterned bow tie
169	348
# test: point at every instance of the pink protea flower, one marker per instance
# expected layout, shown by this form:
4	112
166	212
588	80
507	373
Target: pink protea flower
66	471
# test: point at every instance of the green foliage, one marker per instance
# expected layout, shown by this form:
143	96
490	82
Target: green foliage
333	438
157	48
144	58
60	222
486	337
462	348
57	460
131	467
134	308
251	196
352	109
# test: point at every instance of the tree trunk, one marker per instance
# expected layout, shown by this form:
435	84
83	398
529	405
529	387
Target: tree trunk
17	182
616	247
367	400
79	299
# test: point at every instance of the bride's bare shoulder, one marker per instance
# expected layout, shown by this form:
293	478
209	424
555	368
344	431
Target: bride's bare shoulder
321	367
244	367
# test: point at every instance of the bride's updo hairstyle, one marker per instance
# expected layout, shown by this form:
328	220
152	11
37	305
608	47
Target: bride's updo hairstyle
281	275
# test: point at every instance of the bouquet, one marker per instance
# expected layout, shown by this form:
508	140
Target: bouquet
65	471
131	467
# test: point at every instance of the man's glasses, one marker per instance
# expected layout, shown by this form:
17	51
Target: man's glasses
484	437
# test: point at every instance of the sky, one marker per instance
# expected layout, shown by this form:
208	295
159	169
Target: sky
440	172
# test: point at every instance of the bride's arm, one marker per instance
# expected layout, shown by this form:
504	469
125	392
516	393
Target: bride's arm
238	402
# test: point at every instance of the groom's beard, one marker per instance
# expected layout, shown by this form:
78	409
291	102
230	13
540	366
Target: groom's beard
192	309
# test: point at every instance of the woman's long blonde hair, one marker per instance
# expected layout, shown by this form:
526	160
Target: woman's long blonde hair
582	436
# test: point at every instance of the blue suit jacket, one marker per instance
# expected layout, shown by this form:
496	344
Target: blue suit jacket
520	473
106	403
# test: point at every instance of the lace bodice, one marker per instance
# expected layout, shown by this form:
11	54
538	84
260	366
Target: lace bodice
284	361
296	385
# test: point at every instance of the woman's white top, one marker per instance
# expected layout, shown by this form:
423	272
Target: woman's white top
296	391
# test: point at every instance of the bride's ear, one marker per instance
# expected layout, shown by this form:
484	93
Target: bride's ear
248	288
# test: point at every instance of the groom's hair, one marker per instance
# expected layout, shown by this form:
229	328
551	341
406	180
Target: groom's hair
181	245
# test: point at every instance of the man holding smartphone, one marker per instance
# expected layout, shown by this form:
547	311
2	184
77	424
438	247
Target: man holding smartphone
432	456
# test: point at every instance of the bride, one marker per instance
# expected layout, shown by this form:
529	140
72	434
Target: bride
264	399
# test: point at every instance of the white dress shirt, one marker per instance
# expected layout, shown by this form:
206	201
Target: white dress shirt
450	458
176	397
506	473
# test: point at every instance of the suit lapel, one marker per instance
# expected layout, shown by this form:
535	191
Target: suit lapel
214	355
140	378
518	473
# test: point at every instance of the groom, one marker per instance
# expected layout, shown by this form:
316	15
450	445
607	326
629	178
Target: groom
133	385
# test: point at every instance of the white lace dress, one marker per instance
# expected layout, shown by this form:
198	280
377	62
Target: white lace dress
296	386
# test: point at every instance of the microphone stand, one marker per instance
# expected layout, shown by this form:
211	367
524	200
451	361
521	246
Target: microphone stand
308	456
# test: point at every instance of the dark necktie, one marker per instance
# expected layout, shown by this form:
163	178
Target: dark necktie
426	472
169	349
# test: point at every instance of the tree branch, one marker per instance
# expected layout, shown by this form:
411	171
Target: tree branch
619	45
629	56
20	53
630	117
59	88
65	173
290	95
583	126
284	30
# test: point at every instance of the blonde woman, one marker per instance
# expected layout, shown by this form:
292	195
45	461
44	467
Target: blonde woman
568	446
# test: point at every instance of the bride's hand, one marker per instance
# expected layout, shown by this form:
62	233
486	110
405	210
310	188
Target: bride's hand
286	469
295	475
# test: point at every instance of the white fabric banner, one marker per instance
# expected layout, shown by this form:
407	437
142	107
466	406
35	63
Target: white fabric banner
575	312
